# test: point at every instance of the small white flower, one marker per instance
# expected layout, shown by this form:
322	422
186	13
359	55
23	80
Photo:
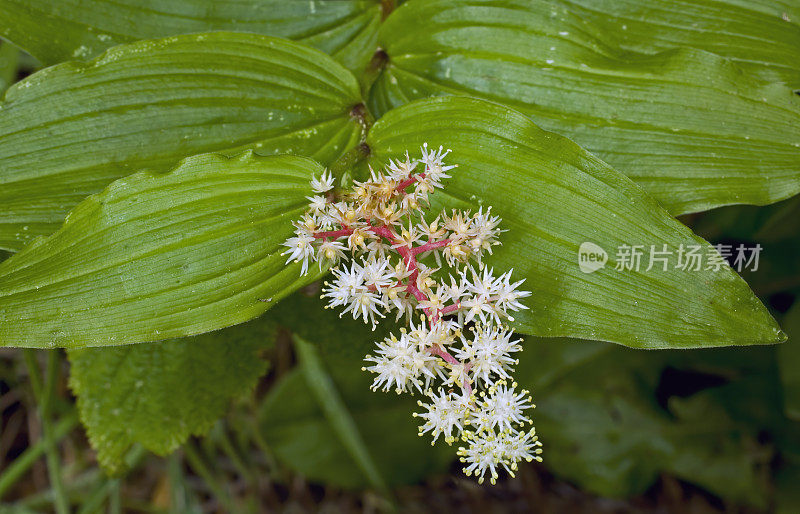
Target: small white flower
484	453
376	248
508	295
434	168
522	446
300	250
502	408
401	170
347	281
324	183
445	413
330	250
489	353
317	203
433	230
399	363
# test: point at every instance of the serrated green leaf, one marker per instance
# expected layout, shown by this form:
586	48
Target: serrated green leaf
56	30
159	394
69	130
158	256
789	362
553	196
689	126
762	36
602	428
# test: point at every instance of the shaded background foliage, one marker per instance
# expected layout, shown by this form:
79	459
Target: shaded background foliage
699	429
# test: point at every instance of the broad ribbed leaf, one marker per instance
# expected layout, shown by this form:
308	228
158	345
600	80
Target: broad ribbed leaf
158	394
762	36
553	197
157	256
68	131
60	30
691	127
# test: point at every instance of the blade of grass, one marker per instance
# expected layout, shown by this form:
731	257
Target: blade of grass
44	394
227	446
23	463
336	412
202	470
98	496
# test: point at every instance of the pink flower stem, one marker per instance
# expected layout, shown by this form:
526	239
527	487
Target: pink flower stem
444	354
384	232
441	352
430	246
404	184
450	308
334	233
420	296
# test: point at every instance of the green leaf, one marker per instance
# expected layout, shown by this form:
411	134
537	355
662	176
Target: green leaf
303	438
553	196
158	256
761	36
690	127
55	31
69	130
159	394
789	362
603	429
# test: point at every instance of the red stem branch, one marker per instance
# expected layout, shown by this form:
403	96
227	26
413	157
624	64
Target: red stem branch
334	233
430	246
441	352
407	182
450	308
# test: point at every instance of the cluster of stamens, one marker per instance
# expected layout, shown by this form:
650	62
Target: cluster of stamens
457	348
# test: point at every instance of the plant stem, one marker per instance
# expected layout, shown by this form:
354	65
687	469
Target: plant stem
115	500
39	500
228	448
342	169
34	373
199	467
60	502
23	463
93	502
45	396
427	247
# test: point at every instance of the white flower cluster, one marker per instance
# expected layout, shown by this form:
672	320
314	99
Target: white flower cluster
460	352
